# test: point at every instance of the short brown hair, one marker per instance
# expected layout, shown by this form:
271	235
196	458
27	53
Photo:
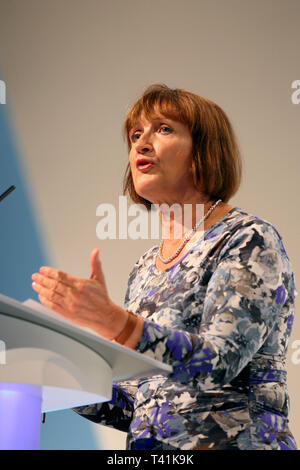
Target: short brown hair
216	163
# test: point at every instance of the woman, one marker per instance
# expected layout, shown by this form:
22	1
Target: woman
215	304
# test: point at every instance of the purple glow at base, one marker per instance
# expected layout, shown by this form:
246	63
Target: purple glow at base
20	416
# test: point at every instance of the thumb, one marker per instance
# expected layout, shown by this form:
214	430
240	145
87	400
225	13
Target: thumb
96	270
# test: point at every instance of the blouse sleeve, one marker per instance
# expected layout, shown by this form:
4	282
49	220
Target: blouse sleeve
244	297
116	413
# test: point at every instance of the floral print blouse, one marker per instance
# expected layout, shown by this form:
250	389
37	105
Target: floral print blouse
221	317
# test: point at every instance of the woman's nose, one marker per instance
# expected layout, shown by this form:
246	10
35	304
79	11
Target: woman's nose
144	144
144	147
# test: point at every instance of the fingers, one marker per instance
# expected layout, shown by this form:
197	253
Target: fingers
93	260
67	302
57	292
58	275
53	306
96	268
68	294
49	283
51	294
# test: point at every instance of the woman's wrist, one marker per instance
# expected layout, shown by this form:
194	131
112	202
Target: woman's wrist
118	320
126	327
134	337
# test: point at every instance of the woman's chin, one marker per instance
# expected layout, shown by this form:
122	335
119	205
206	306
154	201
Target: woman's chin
147	191
146	195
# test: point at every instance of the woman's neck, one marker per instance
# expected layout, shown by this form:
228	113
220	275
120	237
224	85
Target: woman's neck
179	219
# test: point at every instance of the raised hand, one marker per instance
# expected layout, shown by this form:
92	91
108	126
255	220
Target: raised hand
83	301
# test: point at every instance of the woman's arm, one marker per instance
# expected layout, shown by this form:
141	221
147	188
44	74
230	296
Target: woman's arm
244	299
116	413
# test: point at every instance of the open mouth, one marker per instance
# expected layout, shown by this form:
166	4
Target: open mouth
144	165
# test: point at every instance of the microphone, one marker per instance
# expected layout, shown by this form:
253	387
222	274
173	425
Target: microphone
6	193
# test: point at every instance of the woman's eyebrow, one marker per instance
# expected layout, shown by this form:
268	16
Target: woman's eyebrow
154	119
158	118
162	118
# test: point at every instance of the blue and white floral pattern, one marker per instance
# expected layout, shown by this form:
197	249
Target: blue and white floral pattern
222	317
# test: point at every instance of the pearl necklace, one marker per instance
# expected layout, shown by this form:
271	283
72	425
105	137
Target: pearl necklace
186	238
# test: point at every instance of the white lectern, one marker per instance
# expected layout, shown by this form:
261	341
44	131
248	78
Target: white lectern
48	364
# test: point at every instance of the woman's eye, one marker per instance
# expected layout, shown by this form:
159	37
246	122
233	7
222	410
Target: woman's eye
165	129
134	136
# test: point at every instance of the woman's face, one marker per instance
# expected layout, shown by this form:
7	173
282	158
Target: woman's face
167	145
